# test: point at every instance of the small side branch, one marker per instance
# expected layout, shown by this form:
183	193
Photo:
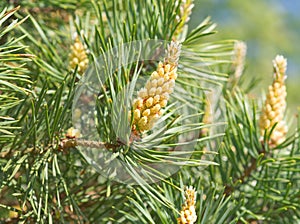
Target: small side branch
67	143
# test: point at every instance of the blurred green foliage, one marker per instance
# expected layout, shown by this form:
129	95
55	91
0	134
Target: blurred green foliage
269	27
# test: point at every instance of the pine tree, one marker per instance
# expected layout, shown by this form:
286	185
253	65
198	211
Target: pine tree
117	112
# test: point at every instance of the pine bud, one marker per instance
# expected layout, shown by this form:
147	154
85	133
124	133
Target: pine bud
240	50
78	56
184	15
279	65
188	211
275	104
73	133
153	97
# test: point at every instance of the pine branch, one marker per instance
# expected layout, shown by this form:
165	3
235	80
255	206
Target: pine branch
89	60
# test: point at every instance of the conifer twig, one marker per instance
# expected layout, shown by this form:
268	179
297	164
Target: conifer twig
69	143
72	139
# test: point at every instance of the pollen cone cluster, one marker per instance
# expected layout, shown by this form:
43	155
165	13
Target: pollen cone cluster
188	212
78	56
275	104
185	8
154	96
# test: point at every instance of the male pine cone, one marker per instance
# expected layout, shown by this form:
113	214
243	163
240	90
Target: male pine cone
78	57
275	105
185	10
188	211
154	96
